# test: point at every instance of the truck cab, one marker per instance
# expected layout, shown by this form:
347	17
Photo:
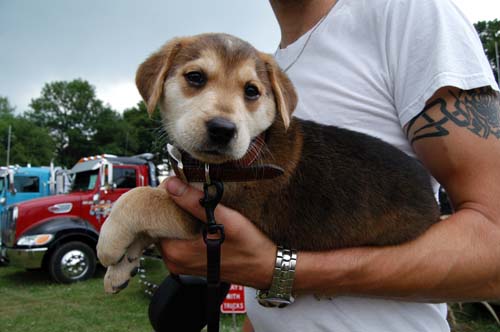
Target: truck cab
59	233
19	184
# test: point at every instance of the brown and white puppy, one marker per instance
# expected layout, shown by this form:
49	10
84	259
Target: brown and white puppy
340	188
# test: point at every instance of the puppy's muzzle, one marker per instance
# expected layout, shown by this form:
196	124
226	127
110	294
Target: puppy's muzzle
220	131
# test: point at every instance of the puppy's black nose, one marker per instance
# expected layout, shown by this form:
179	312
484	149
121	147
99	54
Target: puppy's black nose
220	130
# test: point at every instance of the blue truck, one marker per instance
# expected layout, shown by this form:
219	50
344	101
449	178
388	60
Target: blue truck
22	183
19	184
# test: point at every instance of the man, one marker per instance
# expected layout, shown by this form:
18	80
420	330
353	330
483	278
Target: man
413	73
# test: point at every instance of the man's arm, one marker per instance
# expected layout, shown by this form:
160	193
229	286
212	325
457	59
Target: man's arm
456	137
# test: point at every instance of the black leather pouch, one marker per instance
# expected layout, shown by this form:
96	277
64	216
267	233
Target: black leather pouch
180	304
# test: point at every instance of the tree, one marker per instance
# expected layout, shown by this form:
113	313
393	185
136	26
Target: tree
81	125
111	133
29	143
146	133
5	108
71	112
489	33
6	120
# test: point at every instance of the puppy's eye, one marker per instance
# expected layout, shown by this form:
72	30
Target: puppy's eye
251	92
196	78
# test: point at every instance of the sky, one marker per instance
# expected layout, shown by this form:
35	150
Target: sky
104	41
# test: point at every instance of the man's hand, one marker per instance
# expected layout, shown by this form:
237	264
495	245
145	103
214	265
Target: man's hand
247	256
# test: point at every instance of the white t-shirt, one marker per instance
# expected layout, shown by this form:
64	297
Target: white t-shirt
370	66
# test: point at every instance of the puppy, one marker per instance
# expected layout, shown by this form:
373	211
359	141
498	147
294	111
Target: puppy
339	188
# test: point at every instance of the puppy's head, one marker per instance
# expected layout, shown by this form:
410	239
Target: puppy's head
216	93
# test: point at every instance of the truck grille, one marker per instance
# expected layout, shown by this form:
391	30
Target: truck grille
8	227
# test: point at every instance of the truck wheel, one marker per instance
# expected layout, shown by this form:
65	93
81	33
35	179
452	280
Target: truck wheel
71	262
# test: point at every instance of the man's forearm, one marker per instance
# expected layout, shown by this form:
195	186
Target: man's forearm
457	259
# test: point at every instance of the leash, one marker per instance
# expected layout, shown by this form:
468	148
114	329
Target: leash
190	169
174	305
213	235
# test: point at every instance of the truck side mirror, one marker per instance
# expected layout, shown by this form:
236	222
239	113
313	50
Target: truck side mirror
106	176
110	177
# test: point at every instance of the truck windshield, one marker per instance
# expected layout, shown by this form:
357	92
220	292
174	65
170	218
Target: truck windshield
85	181
27	184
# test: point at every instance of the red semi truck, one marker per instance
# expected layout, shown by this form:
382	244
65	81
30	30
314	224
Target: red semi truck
59	233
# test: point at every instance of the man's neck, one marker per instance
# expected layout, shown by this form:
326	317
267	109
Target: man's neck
296	17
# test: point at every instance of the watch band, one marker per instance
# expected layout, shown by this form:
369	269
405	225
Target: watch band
280	293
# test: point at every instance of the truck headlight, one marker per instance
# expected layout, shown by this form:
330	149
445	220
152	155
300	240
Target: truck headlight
35	240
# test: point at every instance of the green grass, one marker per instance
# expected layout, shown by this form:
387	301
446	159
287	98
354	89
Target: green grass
473	317
31	302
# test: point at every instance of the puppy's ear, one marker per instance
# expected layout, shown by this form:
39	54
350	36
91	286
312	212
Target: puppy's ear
152	73
284	92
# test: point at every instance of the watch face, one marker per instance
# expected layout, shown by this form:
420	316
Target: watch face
273	302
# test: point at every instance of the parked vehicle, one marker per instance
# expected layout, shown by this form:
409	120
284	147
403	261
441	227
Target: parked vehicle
19	184
59	233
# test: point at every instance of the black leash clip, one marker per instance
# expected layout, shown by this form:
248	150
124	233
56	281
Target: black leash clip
214	229
213	194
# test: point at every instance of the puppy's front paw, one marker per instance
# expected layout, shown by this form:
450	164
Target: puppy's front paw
137	217
118	275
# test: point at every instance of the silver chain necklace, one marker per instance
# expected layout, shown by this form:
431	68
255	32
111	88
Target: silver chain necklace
307	40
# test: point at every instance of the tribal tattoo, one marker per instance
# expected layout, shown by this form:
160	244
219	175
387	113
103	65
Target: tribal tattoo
478	110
